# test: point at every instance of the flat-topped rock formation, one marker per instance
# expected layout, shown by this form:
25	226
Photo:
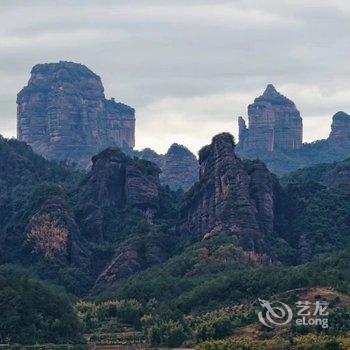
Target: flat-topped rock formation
63	114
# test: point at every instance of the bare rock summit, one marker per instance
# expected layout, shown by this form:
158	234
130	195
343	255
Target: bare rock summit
64	115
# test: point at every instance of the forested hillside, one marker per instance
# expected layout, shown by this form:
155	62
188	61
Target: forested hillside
131	261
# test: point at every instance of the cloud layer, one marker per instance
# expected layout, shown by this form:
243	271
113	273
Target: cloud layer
188	67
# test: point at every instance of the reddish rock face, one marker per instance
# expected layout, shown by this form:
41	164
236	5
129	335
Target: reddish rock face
231	195
340	131
63	114
274	123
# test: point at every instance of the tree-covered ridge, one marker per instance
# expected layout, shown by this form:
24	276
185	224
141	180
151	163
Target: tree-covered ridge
112	237
315	209
48	208
32	312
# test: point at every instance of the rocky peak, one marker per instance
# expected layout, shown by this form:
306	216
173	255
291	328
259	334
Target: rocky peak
179	166
231	196
271	95
178	150
341	116
340	129
270	91
62	71
63	114
274	124
117	181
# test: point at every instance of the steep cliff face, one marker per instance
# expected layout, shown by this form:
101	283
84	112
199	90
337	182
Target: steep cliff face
116	181
231	195
340	129
63	114
243	133
274	123
275	136
179	166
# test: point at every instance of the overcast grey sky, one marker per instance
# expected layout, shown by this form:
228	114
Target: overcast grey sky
188	67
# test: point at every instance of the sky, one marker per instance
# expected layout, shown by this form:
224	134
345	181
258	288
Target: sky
188	67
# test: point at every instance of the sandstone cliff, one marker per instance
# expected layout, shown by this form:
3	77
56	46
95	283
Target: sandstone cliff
231	195
116	181
63	114
274	123
340	129
275	136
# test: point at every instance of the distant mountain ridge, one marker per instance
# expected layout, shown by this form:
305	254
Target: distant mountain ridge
179	166
275	131
63	115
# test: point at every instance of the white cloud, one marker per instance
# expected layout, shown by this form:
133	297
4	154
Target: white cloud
189	68
191	121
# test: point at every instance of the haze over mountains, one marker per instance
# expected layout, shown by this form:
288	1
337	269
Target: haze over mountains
64	115
275	135
171	238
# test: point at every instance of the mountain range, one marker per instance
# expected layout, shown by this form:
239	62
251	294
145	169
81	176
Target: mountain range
132	247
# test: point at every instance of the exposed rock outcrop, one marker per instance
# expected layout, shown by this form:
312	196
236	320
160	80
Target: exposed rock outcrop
243	133
54	230
275	136
117	181
232	195
340	129
274	123
179	166
63	114
151	156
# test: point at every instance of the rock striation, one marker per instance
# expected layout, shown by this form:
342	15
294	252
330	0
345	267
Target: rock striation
63	114
179	166
340	129
231	195
116	181
274	124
